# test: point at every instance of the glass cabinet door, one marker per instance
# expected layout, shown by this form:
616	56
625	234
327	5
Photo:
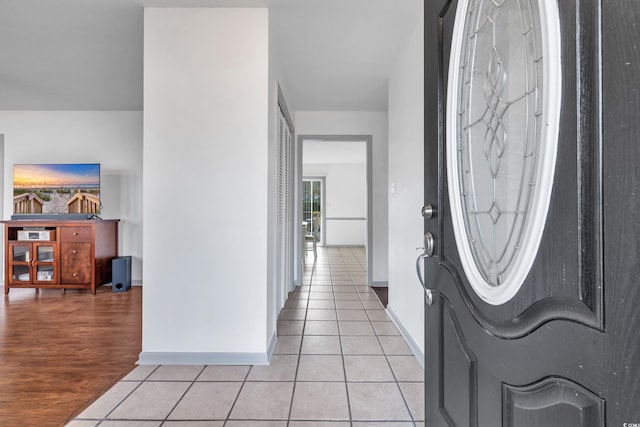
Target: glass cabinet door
20	259
45	253
44	273
21	253
32	262
44	262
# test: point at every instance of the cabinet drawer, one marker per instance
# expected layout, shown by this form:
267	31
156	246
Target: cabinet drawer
75	234
75	263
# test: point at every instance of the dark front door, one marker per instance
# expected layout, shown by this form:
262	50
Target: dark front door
532	313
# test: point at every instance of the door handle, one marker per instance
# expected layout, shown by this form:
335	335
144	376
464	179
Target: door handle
427	253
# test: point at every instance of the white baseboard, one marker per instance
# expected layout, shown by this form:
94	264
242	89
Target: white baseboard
205	358
196	358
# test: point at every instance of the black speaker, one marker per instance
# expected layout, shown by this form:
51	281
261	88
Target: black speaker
121	274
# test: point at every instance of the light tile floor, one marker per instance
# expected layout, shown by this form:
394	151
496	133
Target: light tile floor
339	361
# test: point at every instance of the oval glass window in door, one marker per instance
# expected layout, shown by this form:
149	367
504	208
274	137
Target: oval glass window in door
503	107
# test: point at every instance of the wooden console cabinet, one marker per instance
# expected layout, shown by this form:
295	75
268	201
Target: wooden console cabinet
69	254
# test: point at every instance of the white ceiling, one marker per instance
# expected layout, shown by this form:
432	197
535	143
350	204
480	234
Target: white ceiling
87	54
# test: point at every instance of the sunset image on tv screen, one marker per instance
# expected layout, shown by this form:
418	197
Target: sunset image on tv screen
56	188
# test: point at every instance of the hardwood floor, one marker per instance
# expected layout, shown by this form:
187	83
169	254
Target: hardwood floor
60	351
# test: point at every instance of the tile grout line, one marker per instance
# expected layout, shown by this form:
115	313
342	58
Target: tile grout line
166	417
304	326
344	366
106	416
233	405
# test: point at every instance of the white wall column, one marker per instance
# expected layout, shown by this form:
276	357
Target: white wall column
205	185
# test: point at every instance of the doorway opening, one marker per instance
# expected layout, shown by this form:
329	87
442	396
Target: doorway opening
342	163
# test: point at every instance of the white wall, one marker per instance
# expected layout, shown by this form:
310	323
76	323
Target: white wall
111	138
205	185
360	123
406	171
345	197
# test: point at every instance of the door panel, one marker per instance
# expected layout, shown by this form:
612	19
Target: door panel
459	393
551	401
546	357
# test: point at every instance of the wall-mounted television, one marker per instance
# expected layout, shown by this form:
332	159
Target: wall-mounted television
59	190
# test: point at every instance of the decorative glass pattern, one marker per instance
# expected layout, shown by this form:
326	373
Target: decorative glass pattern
501	146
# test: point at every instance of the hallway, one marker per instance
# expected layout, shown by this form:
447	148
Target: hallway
339	361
